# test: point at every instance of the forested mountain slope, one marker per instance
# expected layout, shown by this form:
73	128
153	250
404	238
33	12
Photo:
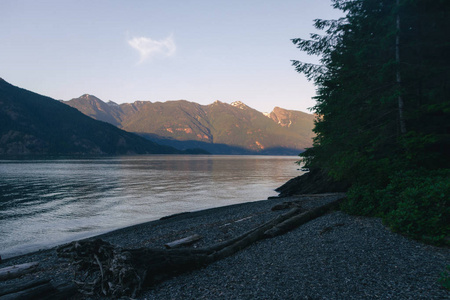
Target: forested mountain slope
31	124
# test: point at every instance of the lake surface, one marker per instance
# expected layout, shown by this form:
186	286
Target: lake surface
48	202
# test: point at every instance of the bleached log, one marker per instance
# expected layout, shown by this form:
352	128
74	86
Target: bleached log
183	242
17	270
300	219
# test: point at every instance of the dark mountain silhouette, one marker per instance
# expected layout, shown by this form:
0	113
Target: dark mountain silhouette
31	124
219	128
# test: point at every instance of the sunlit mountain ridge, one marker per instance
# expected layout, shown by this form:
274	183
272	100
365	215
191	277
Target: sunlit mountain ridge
219	128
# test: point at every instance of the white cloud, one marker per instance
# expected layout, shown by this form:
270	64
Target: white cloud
149	48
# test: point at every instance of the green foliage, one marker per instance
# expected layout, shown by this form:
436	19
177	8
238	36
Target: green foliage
445	278
419	205
361	200
415	203
358	92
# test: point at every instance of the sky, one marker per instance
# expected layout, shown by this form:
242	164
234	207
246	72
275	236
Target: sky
130	50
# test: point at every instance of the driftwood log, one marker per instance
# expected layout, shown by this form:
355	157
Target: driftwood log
183	242
17	270
116	272
14	288
38	289
286	205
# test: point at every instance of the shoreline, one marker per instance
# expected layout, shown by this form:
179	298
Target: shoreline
161	221
333	256
158	222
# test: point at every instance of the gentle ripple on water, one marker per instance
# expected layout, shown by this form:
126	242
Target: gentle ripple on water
47	202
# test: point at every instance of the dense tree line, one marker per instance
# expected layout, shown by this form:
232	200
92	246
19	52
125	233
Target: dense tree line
383	107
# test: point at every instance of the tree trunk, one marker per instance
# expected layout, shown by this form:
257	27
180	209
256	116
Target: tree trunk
398	75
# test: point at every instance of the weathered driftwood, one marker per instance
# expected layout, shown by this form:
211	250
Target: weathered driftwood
17	270
300	219
62	291
237	221
38	289
286	205
14	288
117	272
183	242
35	292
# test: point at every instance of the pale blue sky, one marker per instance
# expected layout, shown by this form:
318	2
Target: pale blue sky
125	51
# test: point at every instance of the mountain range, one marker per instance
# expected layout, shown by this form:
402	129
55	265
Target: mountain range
219	128
32	124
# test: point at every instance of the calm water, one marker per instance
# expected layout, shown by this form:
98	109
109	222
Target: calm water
48	202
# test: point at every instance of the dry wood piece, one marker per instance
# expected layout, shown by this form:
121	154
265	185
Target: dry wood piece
286	205
17	270
183	242
237	221
117	272
300	219
14	288
39	289
35	292
62	291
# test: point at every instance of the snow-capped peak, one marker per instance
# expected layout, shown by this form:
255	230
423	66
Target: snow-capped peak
238	104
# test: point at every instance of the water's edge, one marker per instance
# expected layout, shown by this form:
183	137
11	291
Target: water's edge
163	220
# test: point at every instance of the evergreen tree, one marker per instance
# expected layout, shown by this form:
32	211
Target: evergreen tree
383	90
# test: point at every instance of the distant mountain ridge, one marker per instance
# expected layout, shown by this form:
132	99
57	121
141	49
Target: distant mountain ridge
219	128
32	124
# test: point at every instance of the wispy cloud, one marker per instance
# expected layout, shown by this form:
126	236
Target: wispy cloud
149	48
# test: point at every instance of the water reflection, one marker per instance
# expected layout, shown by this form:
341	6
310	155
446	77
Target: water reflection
44	202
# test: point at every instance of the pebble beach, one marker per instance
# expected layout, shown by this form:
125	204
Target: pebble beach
335	256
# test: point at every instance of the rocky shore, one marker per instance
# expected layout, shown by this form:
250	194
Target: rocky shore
335	256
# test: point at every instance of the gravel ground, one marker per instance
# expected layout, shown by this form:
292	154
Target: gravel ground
335	256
